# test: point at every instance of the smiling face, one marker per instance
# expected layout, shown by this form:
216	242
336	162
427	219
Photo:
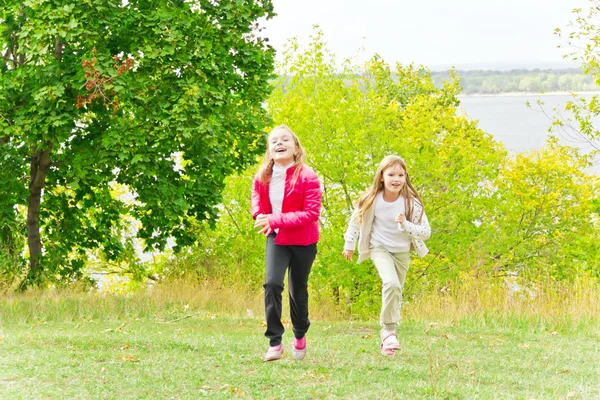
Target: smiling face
394	179
282	147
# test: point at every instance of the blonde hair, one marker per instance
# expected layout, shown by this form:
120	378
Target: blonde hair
266	168
367	199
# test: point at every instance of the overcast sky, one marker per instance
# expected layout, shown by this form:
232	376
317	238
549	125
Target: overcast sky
435	33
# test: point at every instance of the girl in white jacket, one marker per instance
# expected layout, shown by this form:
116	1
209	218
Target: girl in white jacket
388	222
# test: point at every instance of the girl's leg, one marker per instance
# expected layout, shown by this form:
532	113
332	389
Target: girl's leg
391	288
277	260
300	265
392	269
402	262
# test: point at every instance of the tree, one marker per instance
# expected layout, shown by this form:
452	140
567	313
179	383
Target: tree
539	220
583	41
162	97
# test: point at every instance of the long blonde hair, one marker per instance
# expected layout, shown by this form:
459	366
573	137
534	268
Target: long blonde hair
266	168
367	199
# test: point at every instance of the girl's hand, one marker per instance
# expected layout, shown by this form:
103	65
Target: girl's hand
400	218
348	254
263	224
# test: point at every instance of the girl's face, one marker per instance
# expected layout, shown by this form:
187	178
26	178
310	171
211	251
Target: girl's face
282	147
394	179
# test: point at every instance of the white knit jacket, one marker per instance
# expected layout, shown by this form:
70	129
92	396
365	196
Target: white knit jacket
418	232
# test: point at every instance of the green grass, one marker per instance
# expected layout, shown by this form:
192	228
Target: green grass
220	356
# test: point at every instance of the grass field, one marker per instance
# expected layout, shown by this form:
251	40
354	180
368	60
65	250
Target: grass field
87	346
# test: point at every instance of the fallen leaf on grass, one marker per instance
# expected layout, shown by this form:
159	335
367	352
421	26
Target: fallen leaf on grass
553	333
129	359
119	329
263	323
564	371
125	346
431	325
523	346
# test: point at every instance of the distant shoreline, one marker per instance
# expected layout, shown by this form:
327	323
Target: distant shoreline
524	94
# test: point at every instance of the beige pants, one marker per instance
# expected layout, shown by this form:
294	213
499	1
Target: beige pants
392	268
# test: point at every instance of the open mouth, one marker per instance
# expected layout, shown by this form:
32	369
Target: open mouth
280	150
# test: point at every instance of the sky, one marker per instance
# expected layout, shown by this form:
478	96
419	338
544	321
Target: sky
439	34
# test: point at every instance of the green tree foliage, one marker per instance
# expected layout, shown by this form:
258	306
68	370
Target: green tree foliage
541	218
583	43
160	97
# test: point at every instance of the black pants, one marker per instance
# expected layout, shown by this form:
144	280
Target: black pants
299	260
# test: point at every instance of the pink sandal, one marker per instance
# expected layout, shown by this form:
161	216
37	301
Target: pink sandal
387	352
389	341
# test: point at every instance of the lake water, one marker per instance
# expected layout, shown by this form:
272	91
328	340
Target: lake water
512	122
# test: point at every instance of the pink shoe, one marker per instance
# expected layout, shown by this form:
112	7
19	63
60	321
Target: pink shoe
387	352
299	348
274	353
389	341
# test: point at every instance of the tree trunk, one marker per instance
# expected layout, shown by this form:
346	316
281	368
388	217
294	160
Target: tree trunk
8	241
40	162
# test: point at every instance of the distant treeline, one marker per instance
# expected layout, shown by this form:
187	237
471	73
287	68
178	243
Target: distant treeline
520	80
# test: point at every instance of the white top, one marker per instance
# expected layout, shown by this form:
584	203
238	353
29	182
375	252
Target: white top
277	188
385	230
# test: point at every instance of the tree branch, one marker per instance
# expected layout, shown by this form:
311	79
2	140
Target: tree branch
233	219
58	49
179	319
7	56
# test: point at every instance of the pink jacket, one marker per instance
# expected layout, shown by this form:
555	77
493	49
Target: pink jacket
298	222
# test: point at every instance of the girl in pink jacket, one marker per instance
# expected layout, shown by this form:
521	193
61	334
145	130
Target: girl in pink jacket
286	203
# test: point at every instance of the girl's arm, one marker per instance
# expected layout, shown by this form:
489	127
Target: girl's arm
418	231
352	233
310	212
256	209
